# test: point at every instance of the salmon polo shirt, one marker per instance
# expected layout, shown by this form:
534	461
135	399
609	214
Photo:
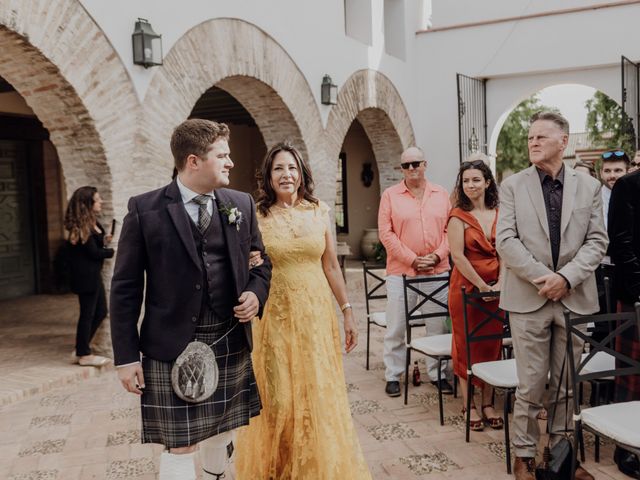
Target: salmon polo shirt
409	227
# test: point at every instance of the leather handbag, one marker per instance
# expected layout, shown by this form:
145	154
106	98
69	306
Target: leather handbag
556	460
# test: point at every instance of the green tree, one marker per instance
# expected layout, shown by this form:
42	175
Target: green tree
606	126
512	152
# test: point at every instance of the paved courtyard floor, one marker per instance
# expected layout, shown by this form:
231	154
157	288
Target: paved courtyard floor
64	422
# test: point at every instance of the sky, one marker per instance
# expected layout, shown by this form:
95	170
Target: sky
569	99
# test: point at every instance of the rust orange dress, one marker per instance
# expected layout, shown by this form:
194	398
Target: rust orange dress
481	253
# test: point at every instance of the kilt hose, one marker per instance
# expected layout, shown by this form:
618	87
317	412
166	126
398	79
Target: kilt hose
171	421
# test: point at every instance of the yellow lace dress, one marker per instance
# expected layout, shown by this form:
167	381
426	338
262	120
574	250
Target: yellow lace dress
305	430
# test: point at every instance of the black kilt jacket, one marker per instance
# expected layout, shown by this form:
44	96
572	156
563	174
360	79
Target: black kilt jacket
157	262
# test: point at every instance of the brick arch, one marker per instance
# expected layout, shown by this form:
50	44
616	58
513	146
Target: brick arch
273	118
59	60
248	64
370	97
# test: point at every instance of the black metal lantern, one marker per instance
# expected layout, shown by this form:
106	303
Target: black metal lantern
147	45
328	92
473	143
367	174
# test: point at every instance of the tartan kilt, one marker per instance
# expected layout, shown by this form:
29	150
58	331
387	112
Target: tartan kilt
171	421
627	386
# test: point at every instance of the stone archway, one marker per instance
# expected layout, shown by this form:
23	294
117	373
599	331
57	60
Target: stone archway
64	67
249	65
505	94
386	144
59	60
370	97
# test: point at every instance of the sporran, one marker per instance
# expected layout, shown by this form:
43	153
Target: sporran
195	374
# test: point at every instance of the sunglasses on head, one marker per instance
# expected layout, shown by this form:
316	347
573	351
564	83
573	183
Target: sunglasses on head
611	153
472	163
406	165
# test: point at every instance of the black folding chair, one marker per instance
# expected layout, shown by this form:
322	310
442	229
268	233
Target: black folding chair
437	347
600	362
620	422
499	374
374	289
507	342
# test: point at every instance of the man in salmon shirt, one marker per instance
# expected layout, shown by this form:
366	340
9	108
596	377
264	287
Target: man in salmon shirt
411	222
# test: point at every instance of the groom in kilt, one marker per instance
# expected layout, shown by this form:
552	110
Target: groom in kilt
184	251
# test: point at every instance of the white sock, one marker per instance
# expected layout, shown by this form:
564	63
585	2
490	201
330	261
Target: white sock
213	455
177	467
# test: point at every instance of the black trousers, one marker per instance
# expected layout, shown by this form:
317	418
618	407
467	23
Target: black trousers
93	310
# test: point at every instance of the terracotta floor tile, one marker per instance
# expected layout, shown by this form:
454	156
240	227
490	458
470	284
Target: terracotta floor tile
101	438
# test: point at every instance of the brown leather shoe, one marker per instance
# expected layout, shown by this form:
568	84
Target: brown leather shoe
524	468
582	474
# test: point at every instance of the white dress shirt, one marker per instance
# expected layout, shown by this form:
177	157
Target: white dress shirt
606	198
190	206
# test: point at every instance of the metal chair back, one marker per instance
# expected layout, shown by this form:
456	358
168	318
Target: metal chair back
627	324
374	289
415	317
477	301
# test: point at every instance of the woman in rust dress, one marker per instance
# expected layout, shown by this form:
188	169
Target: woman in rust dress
472	235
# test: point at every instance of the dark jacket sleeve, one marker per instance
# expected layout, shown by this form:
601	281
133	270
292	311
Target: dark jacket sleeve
259	277
623	226
86	261
94	251
127	289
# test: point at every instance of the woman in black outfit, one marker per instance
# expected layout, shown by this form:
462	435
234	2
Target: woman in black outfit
87	253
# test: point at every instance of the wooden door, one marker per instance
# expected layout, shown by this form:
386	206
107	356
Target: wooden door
17	272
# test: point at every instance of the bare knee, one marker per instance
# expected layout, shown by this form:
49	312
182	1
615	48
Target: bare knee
183	450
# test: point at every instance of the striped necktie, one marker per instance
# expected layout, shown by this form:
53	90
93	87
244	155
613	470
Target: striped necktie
204	218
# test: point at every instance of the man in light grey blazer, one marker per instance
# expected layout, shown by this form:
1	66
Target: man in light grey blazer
550	238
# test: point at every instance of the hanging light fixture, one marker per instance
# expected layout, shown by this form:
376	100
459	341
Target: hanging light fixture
473	143
328	91
147	45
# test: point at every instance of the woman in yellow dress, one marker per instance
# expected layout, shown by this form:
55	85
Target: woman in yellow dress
305	430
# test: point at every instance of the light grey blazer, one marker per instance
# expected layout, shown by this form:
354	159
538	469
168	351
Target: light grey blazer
522	241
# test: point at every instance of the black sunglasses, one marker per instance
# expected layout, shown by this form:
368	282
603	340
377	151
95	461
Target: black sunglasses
472	163
406	165
617	153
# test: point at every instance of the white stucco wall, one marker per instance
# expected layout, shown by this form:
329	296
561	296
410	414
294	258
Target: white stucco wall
454	12
519	58
312	33
505	93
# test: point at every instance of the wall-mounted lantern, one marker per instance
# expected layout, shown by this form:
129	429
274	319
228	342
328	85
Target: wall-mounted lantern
147	45
367	174
328	91
473	143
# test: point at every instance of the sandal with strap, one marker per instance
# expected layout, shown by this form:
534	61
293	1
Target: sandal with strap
494	422
218	476
474	425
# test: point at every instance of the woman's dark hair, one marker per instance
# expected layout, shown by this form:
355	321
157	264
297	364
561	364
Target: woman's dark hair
490	194
266	195
80	217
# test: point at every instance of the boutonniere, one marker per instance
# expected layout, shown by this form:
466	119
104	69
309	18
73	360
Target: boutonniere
234	216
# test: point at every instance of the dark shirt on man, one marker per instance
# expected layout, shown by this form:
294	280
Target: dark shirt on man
552	194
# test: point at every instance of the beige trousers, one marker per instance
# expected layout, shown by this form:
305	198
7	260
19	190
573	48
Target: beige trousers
539	346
